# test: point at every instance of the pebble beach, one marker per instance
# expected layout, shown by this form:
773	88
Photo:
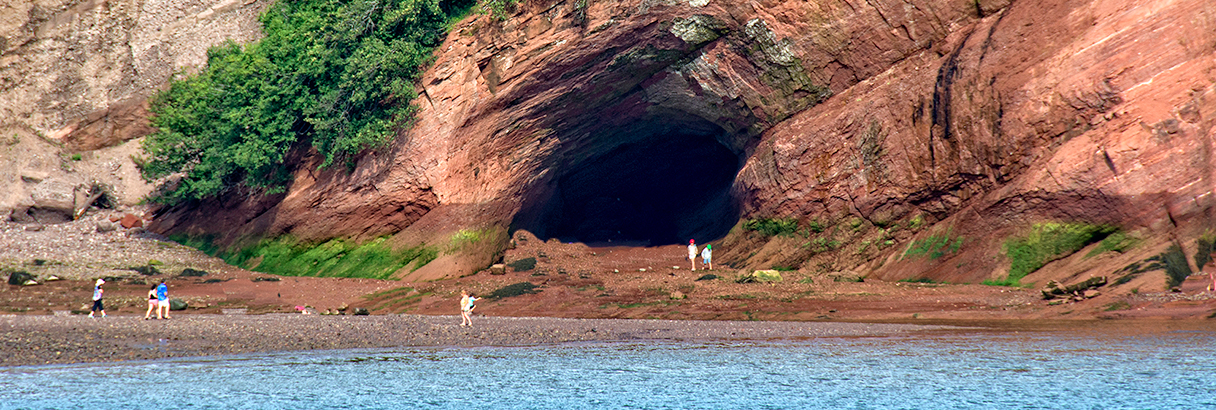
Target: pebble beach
42	340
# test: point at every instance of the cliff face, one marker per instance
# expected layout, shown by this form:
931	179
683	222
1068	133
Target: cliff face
75	76
656	121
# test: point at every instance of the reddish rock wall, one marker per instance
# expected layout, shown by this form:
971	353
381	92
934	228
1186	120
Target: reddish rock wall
979	117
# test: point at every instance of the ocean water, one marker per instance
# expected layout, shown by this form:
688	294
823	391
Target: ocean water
1172	370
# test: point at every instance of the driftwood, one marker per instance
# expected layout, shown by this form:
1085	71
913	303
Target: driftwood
81	208
1053	289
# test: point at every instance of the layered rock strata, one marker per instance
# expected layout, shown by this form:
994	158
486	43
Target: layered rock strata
653	121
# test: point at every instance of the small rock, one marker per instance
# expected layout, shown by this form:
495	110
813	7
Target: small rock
678	295
131	221
191	272
34	228
498	269
30	282
361	311
103	227
177	304
51	278
19	278
1091	293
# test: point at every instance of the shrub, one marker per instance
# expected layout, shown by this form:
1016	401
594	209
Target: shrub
1047	242
1176	266
1207	245
772	227
334	74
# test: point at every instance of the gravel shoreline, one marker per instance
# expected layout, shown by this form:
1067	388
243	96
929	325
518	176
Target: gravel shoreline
40	340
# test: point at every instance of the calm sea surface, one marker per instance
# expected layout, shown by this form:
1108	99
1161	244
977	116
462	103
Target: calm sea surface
1171	370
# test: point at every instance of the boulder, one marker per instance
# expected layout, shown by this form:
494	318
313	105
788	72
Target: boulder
191	272
19	278
146	270
498	269
1053	288
55	196
177	304
765	276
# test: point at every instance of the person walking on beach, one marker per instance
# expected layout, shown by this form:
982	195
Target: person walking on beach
692	253
705	257
466	308
152	302
162	299
97	306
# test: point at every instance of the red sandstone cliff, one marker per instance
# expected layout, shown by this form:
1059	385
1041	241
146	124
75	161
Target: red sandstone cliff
973	118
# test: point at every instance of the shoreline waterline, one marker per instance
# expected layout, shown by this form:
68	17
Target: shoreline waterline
41	340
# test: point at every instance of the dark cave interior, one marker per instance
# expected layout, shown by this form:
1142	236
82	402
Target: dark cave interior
670	182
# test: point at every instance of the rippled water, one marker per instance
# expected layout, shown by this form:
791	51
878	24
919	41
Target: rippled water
1175	370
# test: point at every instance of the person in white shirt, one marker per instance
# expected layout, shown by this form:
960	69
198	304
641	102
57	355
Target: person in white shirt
692	253
466	308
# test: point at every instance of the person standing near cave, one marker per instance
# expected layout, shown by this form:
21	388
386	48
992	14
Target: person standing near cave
692	253
705	256
97	292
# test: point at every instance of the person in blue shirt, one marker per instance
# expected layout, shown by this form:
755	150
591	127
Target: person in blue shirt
705	256
162	298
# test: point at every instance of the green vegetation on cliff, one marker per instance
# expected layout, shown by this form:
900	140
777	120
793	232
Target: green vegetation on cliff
374	259
336	75
1047	242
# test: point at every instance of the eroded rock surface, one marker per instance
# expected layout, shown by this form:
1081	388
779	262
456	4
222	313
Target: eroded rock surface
652	121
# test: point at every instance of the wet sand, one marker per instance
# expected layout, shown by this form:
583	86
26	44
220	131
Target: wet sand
38	340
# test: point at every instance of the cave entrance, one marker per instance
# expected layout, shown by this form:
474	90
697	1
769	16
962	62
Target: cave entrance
667	182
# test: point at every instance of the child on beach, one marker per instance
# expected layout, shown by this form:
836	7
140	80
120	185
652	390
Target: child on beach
152	302
97	306
705	256
466	308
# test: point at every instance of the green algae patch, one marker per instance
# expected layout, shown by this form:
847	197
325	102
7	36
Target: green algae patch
1046	242
285	255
